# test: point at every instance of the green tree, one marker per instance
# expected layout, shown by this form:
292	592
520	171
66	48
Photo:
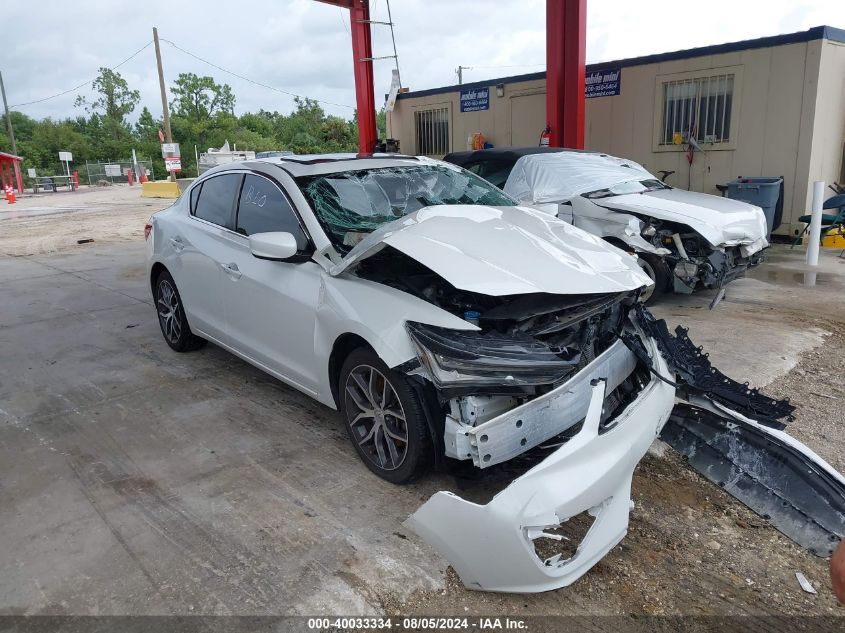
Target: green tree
198	98
114	103
147	127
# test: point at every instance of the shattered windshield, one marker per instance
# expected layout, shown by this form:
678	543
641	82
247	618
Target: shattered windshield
629	186
351	204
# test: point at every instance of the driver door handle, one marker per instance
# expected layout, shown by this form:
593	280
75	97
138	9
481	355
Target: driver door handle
232	270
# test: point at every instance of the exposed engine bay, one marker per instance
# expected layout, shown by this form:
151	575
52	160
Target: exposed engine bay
692	262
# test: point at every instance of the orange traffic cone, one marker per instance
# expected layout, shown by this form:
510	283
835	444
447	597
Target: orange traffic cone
10	195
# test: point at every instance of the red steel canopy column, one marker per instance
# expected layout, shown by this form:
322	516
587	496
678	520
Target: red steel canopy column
10	171
566	54
362	60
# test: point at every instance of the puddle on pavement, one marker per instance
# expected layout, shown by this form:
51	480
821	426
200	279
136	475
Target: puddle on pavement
808	279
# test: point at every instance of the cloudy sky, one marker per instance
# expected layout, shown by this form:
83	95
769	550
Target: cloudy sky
303	46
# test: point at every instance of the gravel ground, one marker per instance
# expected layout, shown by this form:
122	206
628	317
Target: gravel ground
817	388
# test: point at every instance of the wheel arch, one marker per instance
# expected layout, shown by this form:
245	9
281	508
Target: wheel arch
618	243
155	270
343	346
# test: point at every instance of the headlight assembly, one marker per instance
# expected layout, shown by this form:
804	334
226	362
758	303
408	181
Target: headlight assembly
463	357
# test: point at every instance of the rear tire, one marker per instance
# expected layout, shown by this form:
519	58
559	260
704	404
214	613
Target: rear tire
658	271
385	418
171	316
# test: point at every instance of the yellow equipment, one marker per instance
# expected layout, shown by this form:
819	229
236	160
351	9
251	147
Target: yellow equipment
835	238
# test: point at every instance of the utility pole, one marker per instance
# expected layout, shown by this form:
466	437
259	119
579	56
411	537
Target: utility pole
460	72
8	118
164	107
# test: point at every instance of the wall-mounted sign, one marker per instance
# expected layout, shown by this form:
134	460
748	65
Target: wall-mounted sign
112	170
394	90
606	82
475	99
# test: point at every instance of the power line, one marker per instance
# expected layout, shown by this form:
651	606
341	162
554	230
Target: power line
64	92
252	81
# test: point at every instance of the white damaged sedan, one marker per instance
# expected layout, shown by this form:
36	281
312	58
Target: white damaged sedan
684	240
449	326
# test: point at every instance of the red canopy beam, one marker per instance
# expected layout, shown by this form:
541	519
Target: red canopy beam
566	55
362	64
10	171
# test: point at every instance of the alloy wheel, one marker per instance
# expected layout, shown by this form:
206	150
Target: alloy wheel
169	311
376	417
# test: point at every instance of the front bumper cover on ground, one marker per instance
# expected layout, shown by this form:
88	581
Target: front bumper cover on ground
492	546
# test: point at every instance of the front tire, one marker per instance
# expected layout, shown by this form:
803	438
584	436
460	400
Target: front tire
385	418
171	316
657	270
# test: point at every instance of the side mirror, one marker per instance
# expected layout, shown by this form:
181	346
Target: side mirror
277	246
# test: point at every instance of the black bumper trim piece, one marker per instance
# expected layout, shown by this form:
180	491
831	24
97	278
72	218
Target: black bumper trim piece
695	372
774	478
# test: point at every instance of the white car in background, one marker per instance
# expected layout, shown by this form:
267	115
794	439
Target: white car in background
683	240
451	329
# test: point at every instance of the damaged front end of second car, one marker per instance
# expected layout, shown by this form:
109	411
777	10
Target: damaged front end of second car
684	256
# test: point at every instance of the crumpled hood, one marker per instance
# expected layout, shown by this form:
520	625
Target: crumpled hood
721	221
501	251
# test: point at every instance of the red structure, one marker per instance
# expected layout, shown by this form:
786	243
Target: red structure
10	171
566	52
362	63
566	58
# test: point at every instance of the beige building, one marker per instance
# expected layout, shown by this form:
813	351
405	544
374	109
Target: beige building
773	106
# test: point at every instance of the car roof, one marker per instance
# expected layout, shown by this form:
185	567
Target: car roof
315	164
511	154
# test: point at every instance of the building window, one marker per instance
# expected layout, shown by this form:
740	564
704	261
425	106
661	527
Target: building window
431	129
697	108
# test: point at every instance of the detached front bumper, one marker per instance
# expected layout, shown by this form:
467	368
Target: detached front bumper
492	546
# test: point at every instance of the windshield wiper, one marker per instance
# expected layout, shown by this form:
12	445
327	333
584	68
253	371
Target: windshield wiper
599	193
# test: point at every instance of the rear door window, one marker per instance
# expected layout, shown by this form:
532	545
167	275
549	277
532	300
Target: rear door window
263	208
216	199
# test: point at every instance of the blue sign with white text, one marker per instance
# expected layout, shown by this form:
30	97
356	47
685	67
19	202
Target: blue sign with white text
475	99
603	83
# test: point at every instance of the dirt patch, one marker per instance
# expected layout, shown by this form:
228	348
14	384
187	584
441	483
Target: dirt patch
49	223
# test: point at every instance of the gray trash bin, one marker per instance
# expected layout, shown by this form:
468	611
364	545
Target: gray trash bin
760	190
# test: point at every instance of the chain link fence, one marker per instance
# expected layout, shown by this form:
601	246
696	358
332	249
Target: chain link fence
113	171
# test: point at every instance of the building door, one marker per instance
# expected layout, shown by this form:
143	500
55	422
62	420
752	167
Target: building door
528	118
